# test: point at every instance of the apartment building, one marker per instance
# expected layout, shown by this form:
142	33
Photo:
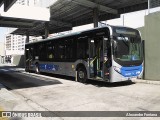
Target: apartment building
14	44
27	2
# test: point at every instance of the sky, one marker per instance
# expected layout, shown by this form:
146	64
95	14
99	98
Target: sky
134	20
2	34
2	30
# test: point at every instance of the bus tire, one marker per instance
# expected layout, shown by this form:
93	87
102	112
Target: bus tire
26	70
37	69
82	75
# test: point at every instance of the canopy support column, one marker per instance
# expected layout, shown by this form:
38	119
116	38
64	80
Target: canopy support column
46	30
27	37
95	17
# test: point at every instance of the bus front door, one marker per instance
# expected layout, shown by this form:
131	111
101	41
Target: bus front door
106	58
96	58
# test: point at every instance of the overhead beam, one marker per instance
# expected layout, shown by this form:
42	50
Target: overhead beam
13	23
8	4
1	2
93	5
27	37
58	22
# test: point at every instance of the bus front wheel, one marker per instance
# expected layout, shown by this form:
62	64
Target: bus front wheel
82	75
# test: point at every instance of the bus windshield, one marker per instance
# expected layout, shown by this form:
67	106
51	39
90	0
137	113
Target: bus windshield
127	48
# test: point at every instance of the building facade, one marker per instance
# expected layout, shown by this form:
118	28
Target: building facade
14	44
27	2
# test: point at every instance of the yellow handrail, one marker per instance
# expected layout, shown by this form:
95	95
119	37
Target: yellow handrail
93	60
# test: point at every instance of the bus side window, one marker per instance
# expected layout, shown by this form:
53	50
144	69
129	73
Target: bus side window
82	48
60	51
69	49
43	52
50	51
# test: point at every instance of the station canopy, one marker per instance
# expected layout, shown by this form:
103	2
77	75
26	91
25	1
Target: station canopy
7	4
65	14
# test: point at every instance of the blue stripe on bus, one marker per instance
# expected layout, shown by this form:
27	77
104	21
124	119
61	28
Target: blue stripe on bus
131	71
49	67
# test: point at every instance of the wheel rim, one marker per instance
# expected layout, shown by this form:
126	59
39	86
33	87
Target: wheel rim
81	74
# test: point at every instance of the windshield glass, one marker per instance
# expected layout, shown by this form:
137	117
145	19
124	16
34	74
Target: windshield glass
127	48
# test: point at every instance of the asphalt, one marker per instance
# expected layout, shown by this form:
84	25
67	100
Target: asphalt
31	92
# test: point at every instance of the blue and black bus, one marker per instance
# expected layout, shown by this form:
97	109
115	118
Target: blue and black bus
110	53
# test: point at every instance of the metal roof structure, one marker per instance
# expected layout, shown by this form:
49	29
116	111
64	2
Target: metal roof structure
28	19
18	22
66	14
7	4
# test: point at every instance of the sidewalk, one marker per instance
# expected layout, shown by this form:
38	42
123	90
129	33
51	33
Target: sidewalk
147	81
8	100
11	101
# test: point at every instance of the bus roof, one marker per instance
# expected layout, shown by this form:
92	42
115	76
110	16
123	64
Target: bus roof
75	33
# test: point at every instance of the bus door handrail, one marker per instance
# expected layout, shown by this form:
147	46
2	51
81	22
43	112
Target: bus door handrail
93	59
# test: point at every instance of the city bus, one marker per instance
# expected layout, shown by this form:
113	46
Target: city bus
110	53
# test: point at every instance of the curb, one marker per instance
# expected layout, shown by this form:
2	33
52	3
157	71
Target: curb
146	81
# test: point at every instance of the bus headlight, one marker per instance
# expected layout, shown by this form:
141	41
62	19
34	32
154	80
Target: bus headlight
117	69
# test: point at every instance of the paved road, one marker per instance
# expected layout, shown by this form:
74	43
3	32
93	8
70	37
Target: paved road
56	94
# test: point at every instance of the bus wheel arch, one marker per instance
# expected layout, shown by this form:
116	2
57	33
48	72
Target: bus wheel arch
37	71
81	73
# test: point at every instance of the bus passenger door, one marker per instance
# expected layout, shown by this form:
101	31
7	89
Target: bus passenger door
95	58
106	58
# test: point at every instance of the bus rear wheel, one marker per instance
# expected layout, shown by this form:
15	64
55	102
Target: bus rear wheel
82	75
26	69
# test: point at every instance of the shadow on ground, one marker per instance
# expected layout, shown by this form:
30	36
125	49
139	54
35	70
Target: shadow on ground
18	80
93	82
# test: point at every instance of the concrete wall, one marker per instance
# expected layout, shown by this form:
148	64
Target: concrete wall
151	35
19	60
2	52
142	30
